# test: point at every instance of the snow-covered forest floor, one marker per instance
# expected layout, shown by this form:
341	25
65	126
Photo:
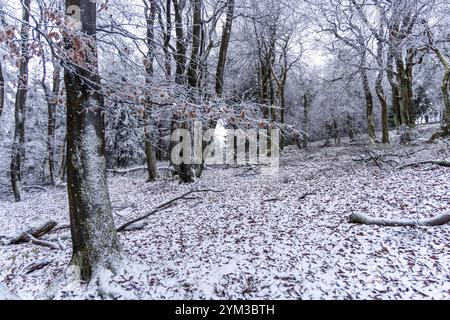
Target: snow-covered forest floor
285	236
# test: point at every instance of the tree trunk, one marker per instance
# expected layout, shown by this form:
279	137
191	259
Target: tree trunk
380	93
167	30
409	88
150	15
369	107
180	55
18	148
2	91
226	35
391	77
192	71
306	107
63	167
445	86
150	153
94	238
51	97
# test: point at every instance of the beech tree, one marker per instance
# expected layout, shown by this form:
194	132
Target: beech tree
94	238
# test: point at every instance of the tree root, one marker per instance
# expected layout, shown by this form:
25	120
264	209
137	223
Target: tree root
439	220
107	282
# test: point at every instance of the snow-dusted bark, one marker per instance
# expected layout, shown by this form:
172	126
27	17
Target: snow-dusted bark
94	238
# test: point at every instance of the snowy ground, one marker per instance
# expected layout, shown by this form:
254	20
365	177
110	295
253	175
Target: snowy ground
279	237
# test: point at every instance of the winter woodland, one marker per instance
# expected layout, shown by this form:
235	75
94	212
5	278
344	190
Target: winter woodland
222	149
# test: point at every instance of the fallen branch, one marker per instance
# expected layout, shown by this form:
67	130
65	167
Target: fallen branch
162	207
34	187
33	232
135	226
441	163
125	171
430	222
42	243
36	266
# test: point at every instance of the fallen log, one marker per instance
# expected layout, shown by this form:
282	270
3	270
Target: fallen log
439	220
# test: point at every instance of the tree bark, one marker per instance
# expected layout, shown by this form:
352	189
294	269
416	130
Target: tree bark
18	148
226	35
94	238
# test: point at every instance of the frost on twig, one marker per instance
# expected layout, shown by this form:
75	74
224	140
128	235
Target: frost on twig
439	220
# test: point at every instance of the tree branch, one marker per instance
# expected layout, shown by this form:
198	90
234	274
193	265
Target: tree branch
430	222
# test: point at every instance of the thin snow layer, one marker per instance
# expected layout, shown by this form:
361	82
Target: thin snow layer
266	237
